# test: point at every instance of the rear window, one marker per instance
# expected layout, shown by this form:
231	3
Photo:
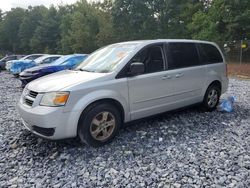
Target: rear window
209	54
182	55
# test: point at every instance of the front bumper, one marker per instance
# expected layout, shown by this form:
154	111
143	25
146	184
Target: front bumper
43	132
49	122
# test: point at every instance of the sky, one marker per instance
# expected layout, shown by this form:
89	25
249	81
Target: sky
6	5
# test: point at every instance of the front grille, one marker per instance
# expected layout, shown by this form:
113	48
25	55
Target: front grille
32	94
30	97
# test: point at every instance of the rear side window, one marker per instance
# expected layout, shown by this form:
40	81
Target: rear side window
182	55
11	58
33	57
209	54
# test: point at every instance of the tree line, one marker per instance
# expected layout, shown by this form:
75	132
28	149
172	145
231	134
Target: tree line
84	27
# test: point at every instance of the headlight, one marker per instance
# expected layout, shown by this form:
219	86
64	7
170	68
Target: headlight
55	98
25	91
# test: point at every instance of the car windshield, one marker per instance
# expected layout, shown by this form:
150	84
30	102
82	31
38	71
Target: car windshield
31	57
40	59
23	58
106	59
61	60
5	58
72	60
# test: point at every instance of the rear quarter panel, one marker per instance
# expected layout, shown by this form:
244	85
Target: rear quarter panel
216	71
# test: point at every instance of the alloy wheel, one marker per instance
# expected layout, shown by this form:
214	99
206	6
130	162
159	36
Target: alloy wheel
212	98
102	126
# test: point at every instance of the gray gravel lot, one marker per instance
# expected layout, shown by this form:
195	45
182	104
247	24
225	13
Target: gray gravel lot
188	148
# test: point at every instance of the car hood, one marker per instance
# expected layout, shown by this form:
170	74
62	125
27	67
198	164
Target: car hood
59	81
48	68
38	68
11	61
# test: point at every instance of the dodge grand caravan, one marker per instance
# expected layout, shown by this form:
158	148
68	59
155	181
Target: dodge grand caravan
120	83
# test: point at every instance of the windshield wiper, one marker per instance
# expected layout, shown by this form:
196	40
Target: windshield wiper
86	70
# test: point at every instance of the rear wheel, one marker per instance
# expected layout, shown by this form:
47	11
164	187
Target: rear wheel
212	97
99	124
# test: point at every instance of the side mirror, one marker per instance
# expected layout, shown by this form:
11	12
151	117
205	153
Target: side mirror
137	68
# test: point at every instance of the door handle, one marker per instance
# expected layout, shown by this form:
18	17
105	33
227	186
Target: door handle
178	75
166	77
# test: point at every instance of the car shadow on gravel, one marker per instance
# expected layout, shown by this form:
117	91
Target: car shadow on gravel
164	130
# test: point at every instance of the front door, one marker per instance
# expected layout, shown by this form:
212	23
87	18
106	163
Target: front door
150	92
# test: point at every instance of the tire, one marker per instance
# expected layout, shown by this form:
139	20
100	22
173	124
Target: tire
99	124
211	98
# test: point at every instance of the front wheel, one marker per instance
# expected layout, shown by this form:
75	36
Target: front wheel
16	75
211	98
99	124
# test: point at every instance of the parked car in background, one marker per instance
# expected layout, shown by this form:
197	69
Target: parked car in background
18	67
124	82
65	62
9	58
28	57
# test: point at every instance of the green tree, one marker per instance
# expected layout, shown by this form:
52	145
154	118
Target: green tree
153	19
30	22
1	15
47	34
222	21
133	19
87	28
84	28
106	33
9	30
237	19
1	33
65	28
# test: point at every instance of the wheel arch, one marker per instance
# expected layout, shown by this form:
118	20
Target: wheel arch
205	104
112	101
210	83
107	100
216	82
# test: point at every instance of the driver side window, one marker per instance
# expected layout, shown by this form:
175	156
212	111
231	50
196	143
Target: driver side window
152	58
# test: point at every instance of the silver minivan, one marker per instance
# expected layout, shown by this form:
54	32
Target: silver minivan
123	82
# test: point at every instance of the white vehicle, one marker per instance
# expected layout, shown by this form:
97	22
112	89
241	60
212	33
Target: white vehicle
123	82
26	58
46	59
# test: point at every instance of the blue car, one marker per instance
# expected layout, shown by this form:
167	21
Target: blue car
9	58
63	63
19	66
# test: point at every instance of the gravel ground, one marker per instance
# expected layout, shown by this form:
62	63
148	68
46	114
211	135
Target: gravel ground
179	149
